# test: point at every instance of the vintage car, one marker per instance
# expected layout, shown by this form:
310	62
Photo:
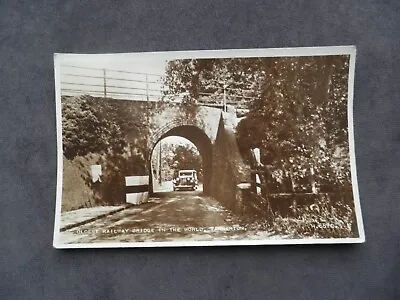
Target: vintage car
186	179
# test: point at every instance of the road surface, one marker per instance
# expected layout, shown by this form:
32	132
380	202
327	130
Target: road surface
169	216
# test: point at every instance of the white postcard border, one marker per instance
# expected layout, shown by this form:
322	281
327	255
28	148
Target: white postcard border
60	58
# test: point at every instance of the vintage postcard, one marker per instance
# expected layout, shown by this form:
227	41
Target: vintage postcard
205	148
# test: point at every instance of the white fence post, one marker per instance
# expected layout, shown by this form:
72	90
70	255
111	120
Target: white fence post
137	189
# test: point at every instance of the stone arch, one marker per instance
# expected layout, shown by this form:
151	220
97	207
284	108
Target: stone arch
194	134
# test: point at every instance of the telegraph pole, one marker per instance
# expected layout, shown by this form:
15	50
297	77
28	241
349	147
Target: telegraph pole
159	167
224	99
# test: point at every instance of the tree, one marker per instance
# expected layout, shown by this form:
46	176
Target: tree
207	79
186	157
114	129
83	131
298	118
298	109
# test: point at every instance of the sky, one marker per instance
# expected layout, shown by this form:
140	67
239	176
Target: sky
125	76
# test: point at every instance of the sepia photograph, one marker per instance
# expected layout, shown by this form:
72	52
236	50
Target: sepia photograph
206	148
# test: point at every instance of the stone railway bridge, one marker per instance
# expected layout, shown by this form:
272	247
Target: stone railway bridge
211	130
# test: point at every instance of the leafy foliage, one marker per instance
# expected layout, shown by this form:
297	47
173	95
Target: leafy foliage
297	117
175	157
206	79
186	157
114	129
323	219
84	131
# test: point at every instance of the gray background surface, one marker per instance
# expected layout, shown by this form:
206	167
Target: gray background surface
29	35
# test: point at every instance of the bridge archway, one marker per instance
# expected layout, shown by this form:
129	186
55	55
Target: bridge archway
202	142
